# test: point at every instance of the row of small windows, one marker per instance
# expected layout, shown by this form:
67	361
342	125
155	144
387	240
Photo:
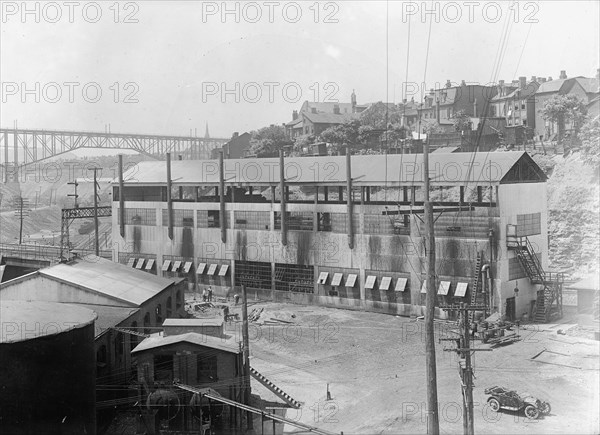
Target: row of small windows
261	220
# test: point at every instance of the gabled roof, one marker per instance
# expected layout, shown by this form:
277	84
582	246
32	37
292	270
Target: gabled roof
590	85
551	86
114	280
159	340
371	170
325	107
329	118
530	89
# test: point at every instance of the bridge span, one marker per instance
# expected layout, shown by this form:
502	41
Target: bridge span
21	147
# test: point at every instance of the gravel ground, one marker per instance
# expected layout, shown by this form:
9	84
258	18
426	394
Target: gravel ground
374	365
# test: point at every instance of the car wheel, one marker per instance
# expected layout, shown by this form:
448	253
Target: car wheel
546	408
494	404
531	412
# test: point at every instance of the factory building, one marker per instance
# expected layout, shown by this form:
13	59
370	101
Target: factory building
123	298
47	368
289	230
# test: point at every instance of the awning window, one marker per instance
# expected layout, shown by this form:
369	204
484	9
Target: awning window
370	282
385	283
201	268
322	277
461	289
351	280
400	284
140	263
150	264
444	288
212	269
223	270
187	266
424	286
176	266
131	262
165	266
337	279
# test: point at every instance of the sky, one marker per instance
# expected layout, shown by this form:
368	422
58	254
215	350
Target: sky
158	67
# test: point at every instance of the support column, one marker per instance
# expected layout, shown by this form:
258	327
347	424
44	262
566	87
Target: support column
169	200
16	156
121	198
349	198
222	216
283	199
6	156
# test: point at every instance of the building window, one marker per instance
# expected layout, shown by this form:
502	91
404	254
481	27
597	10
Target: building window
138	216
159	314
296	221
294	278
529	224
163	368
169	307
179	217
207	368
252	220
209	219
253	274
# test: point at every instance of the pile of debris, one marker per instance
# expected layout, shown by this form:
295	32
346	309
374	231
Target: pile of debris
495	331
262	317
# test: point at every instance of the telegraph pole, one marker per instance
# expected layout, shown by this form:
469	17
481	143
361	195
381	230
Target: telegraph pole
74	195
247	390
97	244
433	425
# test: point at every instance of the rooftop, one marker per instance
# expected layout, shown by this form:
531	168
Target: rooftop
26	320
108	316
160	340
111	279
369	170
193	322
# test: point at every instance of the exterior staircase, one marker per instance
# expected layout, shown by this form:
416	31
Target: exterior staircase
275	389
549	297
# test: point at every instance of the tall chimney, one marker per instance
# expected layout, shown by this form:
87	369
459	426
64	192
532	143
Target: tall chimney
563	74
522	82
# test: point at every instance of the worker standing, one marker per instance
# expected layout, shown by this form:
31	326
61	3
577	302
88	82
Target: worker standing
210	292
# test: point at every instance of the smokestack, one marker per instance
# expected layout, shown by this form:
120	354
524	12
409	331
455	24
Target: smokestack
522	82
448	84
563	74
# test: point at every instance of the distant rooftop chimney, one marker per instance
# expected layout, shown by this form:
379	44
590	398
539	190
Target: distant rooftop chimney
550	78
463	83
313	110
522	82
598	73
563	74
448	84
542	79
336	109
236	134
294	115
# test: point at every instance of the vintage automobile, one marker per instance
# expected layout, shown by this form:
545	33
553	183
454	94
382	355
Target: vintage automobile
502	398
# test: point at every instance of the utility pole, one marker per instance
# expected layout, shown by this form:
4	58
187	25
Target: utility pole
21	209
433	425
246	356
74	195
97	243
466	370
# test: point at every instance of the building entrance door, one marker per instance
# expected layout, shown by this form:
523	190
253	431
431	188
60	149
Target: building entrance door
510	309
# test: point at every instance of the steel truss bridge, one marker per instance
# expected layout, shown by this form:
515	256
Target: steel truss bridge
21	147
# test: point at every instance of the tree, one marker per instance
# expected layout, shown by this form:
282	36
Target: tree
338	135
461	121
562	109
267	141
380	115
430	126
590	142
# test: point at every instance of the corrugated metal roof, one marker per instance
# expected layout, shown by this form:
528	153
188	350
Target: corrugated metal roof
110	279
108	316
368	170
193	322
159	340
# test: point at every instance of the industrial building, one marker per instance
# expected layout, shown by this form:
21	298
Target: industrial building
47	373
222	223
129	304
